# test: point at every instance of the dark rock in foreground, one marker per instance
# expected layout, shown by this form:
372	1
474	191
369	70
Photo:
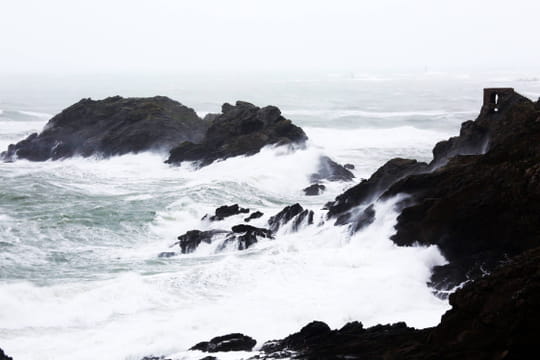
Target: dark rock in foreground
495	317
225	211
242	129
248	235
231	342
330	170
113	126
314	190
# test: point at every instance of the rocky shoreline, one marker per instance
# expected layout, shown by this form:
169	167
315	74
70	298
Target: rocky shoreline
478	200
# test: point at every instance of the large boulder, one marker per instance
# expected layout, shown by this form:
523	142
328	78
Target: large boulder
328	169
294	214
241	129
113	126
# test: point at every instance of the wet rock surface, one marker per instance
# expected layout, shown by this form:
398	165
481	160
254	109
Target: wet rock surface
478	200
225	211
294	214
314	190
113	126
330	170
231	342
189	241
241	129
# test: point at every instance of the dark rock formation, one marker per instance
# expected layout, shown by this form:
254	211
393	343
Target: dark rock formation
243	235
479	209
331	171
248	235
349	166
314	190
495	317
253	215
225	211
113	126
193	238
242	129
4	356
295	213
369	190
478	200
231	342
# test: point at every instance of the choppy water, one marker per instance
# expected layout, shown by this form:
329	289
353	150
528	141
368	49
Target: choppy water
79	238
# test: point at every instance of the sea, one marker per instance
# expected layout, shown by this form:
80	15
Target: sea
80	275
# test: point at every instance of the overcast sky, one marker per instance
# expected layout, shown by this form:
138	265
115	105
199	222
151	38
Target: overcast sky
50	36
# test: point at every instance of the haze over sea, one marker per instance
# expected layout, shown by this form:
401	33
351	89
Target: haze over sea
80	238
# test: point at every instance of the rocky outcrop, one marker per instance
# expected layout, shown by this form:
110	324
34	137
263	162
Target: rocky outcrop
478	209
369	190
113	126
243	236
314	190
241	129
225	211
330	170
231	342
294	214
495	317
478	200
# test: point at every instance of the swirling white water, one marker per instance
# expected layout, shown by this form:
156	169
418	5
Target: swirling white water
79	238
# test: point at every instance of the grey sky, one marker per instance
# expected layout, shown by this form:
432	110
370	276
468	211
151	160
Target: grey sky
210	35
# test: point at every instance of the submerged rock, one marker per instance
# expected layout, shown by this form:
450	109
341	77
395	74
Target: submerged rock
242	129
314	190
113	126
231	342
248	235
349	166
331	171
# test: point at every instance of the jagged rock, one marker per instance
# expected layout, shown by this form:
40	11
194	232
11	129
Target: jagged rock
242	129
331	171
293	212
113	126
369	190
349	166
231	342
254	215
249	235
3	356
494	317
478	209
192	239
226	211
315	189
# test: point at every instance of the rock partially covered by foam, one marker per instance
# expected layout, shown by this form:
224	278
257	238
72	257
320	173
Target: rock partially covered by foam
113	126
241	129
230	342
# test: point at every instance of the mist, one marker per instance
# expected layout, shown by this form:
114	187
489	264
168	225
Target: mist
209	36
